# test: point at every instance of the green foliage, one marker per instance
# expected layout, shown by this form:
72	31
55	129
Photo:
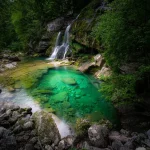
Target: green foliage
124	31
7	33
23	22
119	88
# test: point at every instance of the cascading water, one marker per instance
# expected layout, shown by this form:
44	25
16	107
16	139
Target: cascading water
61	49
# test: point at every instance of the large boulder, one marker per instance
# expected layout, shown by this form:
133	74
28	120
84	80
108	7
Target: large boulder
46	128
85	66
98	136
66	143
99	60
103	72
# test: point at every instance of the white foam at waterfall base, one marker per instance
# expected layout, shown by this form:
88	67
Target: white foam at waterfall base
22	99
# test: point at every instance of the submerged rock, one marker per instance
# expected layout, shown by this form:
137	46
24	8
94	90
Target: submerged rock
70	81
60	97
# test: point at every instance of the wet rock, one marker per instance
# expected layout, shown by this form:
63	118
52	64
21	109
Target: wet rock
66	143
33	140
124	148
139	139
11	65
12	120
15	107
14	58
147	142
55	25
37	146
2	110
125	132
0	90
28	125
116	136
9	112
4	117
129	144
43	45
98	135
140	148
15	114
61	145
17	129
29	110
148	133
116	145
29	147
33	132
48	147
5	124
7	141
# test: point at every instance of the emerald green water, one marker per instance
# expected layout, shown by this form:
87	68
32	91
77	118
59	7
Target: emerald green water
71	94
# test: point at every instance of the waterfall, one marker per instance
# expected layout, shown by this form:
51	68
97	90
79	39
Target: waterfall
58	40
61	49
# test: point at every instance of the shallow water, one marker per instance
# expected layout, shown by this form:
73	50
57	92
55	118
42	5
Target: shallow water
72	94
22	99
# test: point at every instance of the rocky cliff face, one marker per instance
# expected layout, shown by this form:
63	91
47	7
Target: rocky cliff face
47	41
82	26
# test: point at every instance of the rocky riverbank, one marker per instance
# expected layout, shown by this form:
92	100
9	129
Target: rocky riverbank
22	130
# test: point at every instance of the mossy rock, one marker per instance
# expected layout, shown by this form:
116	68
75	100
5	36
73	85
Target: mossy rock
46	128
82	28
81	126
52	44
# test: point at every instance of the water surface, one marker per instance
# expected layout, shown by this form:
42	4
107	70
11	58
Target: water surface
72	94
